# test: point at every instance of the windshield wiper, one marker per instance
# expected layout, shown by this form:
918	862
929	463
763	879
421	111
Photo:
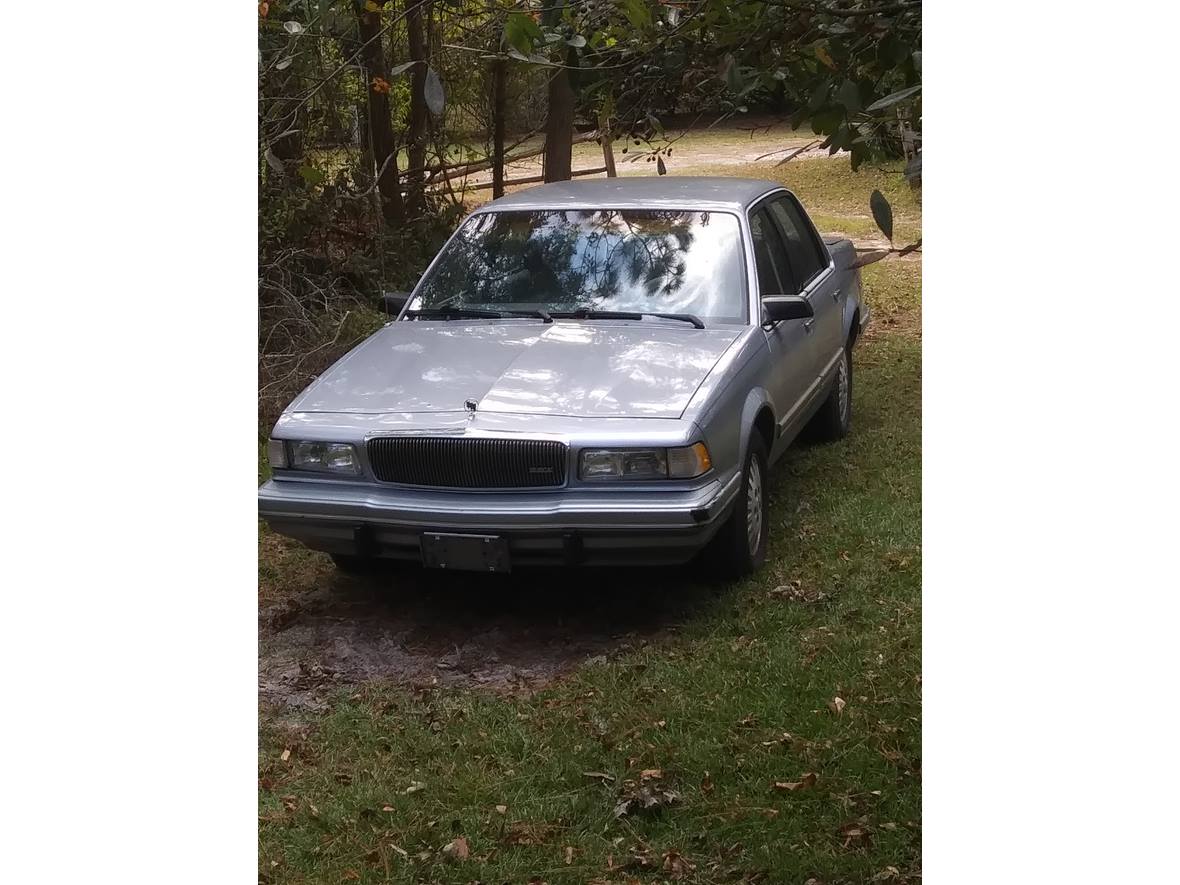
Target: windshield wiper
583	313
539	314
448	312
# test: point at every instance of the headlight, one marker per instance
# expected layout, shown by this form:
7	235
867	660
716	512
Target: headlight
678	463
324	457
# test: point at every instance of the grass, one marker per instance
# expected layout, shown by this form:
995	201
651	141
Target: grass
737	696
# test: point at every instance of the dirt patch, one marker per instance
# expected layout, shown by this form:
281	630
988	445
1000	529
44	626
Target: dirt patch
753	142
504	633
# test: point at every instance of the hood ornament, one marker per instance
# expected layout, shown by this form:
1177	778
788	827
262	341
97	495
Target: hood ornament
471	405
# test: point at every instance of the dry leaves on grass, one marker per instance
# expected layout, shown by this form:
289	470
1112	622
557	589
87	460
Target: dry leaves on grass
675	865
456	849
648	795
856	834
523	832
806	782
836	705
794	591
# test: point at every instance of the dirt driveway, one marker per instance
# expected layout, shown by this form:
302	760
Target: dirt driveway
736	144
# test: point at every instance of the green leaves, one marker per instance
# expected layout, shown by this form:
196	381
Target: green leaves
882	213
520	32
433	93
312	175
849	95
637	13
893	98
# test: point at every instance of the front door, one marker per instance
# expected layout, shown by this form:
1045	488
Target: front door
815	279
793	375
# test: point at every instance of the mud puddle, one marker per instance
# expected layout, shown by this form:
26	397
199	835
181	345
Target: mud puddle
501	632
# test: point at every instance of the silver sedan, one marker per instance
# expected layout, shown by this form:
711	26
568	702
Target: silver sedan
593	372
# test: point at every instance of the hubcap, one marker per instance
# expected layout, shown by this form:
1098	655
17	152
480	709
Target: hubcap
754	506
844	388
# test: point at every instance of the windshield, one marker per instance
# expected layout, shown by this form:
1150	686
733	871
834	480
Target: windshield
640	260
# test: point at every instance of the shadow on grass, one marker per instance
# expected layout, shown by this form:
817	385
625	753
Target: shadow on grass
504	632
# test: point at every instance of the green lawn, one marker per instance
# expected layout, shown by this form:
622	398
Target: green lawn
738	694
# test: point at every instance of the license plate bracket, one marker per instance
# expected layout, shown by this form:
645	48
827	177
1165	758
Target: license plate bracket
475	553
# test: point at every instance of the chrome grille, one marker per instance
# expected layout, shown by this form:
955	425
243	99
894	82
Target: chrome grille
467	463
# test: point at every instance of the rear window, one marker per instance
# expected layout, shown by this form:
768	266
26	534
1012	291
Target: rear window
804	250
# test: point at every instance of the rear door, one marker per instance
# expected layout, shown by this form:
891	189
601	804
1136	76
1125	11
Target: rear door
792	373
815	279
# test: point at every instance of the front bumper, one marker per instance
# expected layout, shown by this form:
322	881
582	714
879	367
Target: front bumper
565	527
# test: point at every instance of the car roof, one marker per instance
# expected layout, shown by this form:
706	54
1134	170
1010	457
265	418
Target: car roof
642	192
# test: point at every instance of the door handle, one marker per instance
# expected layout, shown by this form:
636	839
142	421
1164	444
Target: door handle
836	295
807	326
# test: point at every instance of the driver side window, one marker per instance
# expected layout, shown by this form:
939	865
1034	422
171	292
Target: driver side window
770	257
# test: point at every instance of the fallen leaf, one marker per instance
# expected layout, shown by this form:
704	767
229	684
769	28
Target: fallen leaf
414	787
645	798
523	832
804	783
676	866
286	754
836	705
707	783
502	809
569	855
351	874
856	833
456	849
651	774
387	808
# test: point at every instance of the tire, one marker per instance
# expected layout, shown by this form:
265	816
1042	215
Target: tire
354	565
740	547
834	418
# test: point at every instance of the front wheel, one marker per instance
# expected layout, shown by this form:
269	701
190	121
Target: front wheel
740	546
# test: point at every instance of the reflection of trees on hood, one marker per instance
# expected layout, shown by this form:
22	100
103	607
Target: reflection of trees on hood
577	258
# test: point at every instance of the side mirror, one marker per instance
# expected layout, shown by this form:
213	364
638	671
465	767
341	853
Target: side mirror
393	302
787	307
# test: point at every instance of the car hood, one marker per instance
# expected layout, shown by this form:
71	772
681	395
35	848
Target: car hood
631	369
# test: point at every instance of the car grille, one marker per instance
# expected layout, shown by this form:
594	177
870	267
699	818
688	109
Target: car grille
465	463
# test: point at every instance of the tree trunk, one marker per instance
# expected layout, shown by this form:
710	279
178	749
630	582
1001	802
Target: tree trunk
559	119
380	124
499	75
559	128
419	121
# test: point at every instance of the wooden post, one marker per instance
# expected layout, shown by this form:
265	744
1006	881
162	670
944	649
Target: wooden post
499	74
608	152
